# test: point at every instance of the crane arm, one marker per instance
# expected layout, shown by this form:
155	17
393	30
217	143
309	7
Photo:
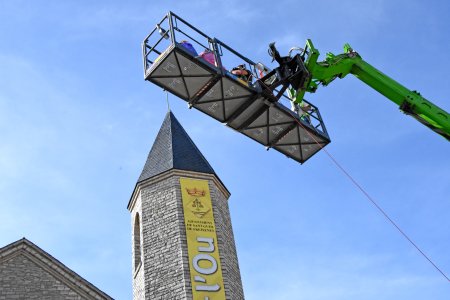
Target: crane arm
350	62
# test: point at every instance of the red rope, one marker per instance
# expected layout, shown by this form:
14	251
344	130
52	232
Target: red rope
374	202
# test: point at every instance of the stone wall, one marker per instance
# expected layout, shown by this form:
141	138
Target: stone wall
165	255
137	273
28	272
21	278
162	226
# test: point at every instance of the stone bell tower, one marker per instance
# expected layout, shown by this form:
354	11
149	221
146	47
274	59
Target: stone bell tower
183	244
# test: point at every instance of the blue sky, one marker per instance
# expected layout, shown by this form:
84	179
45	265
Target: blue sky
77	121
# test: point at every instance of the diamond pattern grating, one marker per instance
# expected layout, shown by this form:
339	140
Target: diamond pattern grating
215	93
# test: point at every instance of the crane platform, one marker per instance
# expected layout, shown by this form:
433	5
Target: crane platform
189	64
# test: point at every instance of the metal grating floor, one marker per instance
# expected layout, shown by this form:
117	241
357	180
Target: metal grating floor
216	93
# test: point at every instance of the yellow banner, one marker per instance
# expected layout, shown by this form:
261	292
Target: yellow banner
204	260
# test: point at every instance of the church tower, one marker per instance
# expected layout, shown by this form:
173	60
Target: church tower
183	244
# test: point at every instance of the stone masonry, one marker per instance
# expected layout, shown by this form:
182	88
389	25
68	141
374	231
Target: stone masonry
163	272
165	260
28	272
23	279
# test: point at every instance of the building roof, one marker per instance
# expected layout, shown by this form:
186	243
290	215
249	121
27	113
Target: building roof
51	266
174	149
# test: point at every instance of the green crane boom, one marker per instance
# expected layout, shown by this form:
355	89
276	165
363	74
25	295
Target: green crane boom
350	62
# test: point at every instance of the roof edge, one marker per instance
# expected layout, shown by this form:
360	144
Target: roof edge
52	266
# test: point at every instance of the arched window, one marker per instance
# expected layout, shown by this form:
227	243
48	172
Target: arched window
137	241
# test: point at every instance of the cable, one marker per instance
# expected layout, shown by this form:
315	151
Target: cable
167	100
365	193
374	202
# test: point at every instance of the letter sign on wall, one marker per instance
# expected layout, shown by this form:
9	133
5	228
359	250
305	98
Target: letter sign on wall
204	260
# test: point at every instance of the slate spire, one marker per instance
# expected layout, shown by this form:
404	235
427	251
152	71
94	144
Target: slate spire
173	149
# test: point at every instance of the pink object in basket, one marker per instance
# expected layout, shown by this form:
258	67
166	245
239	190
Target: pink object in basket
209	57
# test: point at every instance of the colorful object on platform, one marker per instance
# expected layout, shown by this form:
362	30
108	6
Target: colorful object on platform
254	107
209	57
203	252
188	46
